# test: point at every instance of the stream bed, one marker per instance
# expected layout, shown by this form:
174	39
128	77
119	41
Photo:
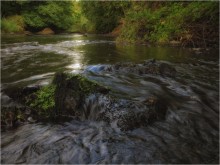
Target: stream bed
188	134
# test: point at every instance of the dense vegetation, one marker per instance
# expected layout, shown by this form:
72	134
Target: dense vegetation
104	16
189	23
36	15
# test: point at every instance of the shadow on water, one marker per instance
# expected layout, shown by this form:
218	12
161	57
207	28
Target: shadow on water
188	134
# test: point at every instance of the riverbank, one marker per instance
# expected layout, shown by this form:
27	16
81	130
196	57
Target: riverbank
193	24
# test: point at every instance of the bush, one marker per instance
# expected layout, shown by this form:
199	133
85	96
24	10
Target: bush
12	24
103	15
169	21
81	23
56	15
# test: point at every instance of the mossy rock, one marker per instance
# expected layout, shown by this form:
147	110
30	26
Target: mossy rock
13	116
64	97
71	91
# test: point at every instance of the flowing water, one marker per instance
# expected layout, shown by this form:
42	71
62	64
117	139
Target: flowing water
189	133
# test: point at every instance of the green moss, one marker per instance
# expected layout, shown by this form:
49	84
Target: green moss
84	85
44	100
57	97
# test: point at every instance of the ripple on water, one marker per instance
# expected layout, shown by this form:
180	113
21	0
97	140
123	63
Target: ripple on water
189	133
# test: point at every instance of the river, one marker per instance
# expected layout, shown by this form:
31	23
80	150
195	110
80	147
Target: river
189	133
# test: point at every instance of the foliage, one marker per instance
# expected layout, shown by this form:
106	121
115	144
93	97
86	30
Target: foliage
12	24
142	21
9	8
165	21
84	16
104	15
58	15
81	23
45	99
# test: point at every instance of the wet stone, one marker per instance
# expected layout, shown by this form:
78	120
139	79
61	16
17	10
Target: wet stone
127	114
76	97
147	67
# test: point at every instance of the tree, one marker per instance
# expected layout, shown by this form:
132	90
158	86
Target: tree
56	15
104	14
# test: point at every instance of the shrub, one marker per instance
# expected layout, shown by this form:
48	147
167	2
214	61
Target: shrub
168	21
56	15
12	24
104	15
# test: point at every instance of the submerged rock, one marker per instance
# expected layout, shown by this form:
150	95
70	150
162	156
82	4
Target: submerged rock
167	70
148	67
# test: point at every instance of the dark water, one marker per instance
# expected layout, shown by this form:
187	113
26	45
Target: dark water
189	134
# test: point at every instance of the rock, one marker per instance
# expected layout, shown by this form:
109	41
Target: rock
31	120
12	116
148	67
5	100
167	70
75	97
150	61
71	92
28	33
19	94
30	89
64	97
46	31
18	111
155	111
175	43
126	114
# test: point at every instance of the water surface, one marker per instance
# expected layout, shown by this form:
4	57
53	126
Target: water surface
189	134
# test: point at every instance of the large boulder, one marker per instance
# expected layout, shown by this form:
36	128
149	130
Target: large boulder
167	70
71	90
126	114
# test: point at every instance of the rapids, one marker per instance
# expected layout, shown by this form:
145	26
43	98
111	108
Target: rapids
188	134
